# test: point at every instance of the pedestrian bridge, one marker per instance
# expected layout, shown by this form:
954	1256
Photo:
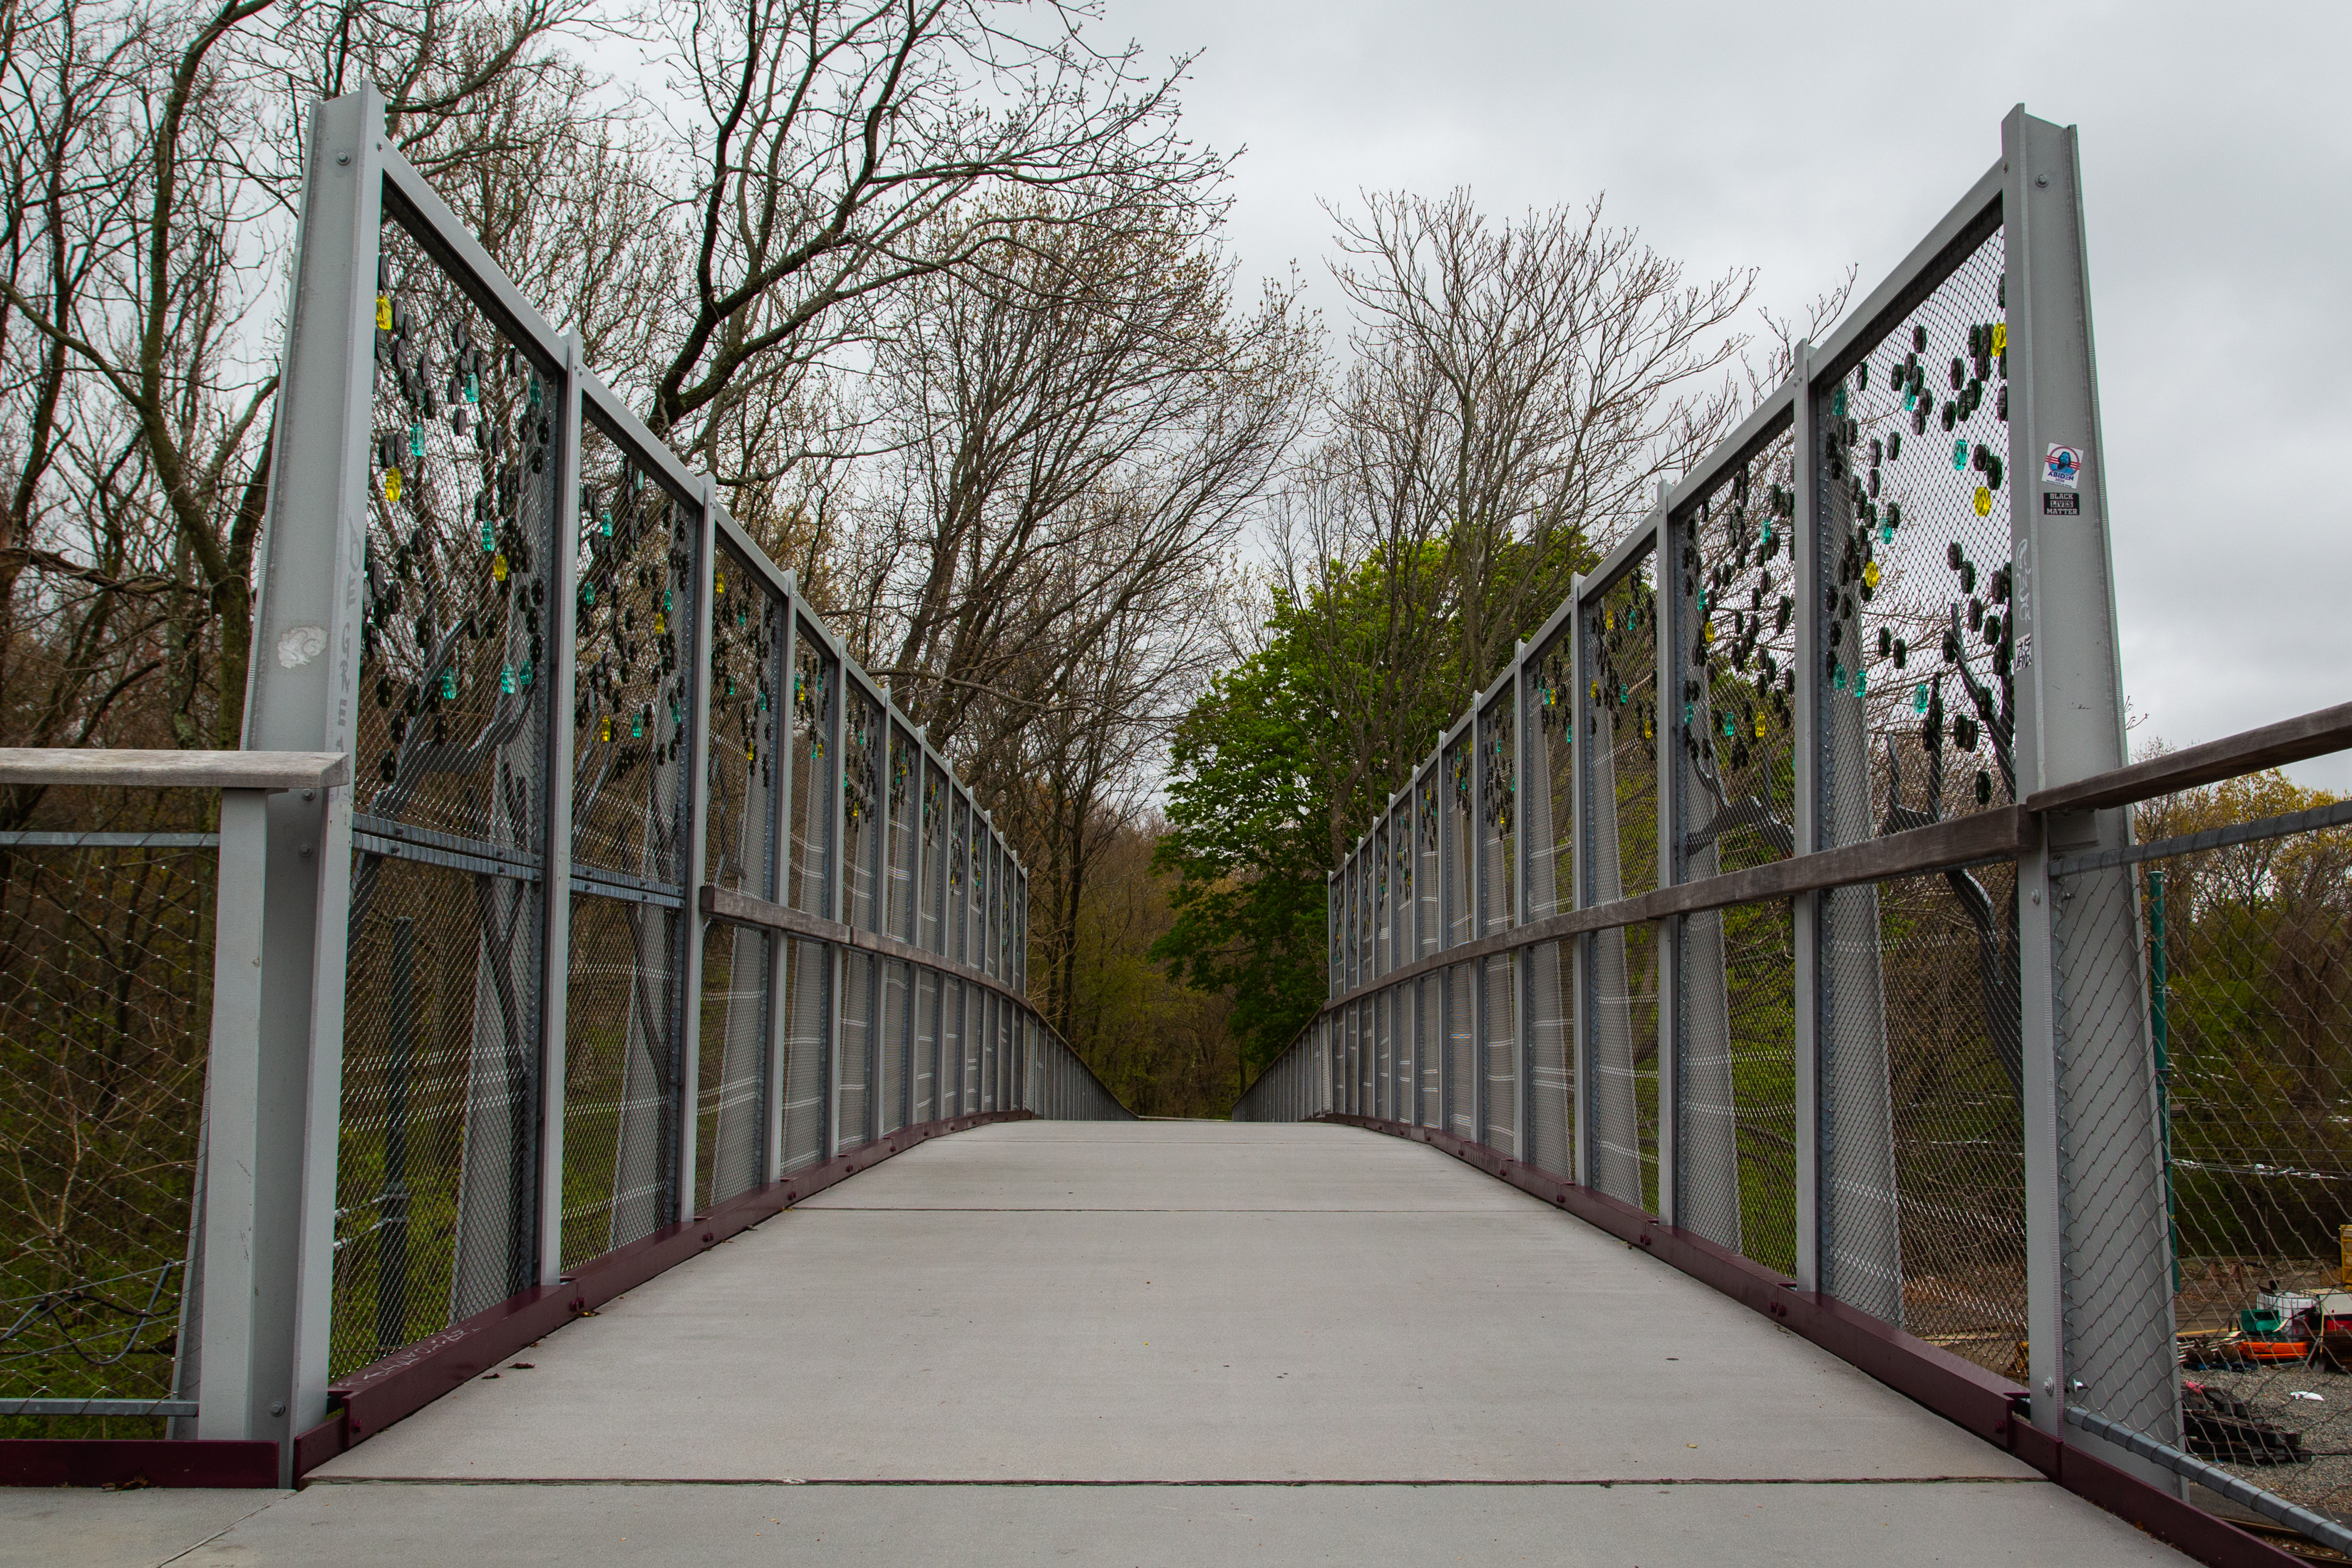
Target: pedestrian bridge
1790	1088
1145	1342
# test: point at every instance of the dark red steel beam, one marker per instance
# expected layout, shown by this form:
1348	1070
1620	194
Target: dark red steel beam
136	1462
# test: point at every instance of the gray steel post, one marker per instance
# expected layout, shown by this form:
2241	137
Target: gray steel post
779	681
837	901
1804	576
688	1073
1668	626
2099	1295
1578	1004
226	1360
562	574
1523	959
302	695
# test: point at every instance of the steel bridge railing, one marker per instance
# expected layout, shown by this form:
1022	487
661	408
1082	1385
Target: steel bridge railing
1784	893
642	911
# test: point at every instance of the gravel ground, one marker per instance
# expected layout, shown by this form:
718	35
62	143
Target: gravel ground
2326	1423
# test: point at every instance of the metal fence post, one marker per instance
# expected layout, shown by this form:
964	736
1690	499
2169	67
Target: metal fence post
779	838
1805	911
1580	892
689	1075
2098	1246
1668	625
302	695
564	646
836	902
227	1363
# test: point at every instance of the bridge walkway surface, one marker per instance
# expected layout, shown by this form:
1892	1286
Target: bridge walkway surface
1145	1344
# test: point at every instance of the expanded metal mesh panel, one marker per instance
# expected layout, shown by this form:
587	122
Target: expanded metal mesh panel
1457	842
957	918
731	1082
619	1074
1379	874
852	1100
862	763
452	727
1498	815
439	1120
808	1015
632	701
1501	1017
746	672
1551	1081
892	1048
1548	807
1923	1218
1734	664
898	880
1461	1051
950	1047
927	1083
975	929
816	680
1737	1149
1622	986
1432	1007
1918	654
931	933
106	968
443	972
1428	882
1620	653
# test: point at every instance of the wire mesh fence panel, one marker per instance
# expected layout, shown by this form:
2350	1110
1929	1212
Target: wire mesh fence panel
925	1090
1755	1189
1953	1121
1500	1018
808	1019
891	1050
2246	941
632	701
1622	999
436	1163
1462	1056
851	1104
1430	1032
1918	701
1551	1080
1735	548
619	1074
730	1086
106	966
898	894
815	681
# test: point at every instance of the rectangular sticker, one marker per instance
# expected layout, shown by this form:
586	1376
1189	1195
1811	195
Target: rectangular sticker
2061	503
2063	466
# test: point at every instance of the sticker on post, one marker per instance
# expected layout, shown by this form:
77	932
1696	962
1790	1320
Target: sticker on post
2061	503
2063	465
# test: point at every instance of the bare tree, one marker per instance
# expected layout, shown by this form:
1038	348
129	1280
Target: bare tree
1517	389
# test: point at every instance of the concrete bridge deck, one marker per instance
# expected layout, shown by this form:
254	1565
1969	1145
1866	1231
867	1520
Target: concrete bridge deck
1143	1343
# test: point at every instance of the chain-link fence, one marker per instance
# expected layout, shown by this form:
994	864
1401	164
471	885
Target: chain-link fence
2237	902
106	959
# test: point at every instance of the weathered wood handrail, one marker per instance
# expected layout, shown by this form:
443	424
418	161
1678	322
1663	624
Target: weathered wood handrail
173	770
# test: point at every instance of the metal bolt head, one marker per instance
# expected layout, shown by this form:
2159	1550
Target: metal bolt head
2041	182
278	1408
342	157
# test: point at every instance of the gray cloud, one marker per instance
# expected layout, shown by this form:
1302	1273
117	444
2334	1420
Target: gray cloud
1806	139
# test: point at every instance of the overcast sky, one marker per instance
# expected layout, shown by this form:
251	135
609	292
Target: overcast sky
1805	138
